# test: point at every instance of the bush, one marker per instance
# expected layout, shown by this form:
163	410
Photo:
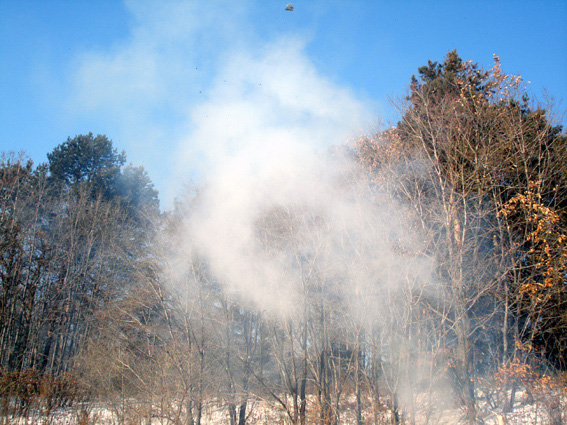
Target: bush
29	391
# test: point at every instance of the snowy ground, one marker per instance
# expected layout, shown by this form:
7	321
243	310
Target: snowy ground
261	412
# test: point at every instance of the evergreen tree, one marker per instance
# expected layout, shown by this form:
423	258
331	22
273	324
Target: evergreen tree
89	160
93	164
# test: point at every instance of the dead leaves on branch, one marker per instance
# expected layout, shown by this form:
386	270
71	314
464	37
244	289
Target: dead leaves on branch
545	240
496	86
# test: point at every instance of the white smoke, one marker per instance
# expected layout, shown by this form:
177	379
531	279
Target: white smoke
194	94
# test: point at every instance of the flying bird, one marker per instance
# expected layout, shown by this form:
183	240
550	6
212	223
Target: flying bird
289	7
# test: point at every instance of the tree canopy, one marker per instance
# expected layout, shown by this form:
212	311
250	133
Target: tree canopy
92	163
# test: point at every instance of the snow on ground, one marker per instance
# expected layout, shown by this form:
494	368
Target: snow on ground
262	412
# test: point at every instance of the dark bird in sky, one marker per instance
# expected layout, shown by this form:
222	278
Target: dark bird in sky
289	7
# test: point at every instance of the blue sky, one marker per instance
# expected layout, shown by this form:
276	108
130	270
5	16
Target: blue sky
179	85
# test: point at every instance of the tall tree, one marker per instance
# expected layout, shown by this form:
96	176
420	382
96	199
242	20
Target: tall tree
482	170
24	260
92	164
86	159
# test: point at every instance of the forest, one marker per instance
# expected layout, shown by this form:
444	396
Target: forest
414	275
